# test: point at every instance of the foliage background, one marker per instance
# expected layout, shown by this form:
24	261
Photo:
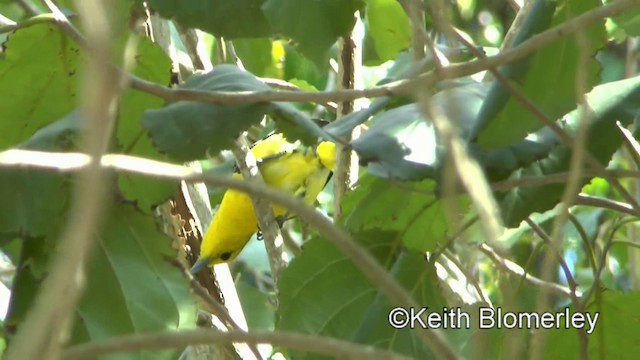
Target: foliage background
581	253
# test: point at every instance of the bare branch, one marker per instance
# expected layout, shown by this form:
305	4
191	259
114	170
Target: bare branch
399	87
337	349
273	241
361	258
42	333
517	270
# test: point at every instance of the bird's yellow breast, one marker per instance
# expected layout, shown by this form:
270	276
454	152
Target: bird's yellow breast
299	172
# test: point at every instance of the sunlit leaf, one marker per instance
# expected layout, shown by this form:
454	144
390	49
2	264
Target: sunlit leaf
388	26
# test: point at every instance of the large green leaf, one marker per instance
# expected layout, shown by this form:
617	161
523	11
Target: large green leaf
187	130
296	66
132	287
34	202
629	21
229	19
548	80
256	55
37	81
402	142
31	264
608	103
315	25
388	27
616	332
322	292
153	65
421	222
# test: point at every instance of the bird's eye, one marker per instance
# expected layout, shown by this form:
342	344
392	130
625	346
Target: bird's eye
226	256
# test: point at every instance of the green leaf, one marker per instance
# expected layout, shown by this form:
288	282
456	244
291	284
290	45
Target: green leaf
421	221
345	304
32	201
314	25
608	103
258	309
296	66
388	27
615	333
152	65
187	130
31	268
297	125
629	21
499	163
131	275
35	201
229	19
402	142
548	79
37	81
256	54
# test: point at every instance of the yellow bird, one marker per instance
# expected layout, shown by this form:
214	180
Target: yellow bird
301	172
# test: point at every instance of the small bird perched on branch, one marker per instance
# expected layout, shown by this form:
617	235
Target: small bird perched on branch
298	170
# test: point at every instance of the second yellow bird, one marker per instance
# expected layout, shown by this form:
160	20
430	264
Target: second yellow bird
301	172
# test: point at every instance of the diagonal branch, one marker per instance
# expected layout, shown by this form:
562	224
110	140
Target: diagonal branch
399	87
334	348
360	257
43	331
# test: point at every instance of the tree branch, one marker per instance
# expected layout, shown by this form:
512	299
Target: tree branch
44	329
361	258
338	349
399	87
273	242
517	270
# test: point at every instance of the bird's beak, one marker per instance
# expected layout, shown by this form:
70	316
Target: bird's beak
200	264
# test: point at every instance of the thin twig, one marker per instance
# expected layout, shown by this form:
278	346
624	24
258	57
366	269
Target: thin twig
399	87
30	8
334	348
217	309
5	21
604	203
65	162
38	19
346	171
402	86
273	242
449	255
573	285
578	156
579	151
554	250
517	270
557	178
42	333
419	39
361	258
586	242
603	257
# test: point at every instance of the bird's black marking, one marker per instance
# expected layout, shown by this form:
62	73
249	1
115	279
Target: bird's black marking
226	256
